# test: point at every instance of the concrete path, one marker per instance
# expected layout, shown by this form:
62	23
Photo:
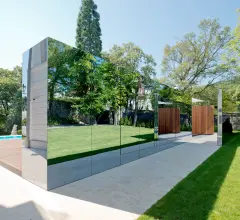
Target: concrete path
121	193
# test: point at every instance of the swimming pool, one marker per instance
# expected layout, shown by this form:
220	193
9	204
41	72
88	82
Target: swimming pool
10	137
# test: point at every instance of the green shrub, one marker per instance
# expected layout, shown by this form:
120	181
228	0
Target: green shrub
2	129
56	121
24	122
126	121
19	132
145	123
185	127
53	122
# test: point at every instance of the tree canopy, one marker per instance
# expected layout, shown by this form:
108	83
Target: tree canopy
88	33
10	98
197	57
134	67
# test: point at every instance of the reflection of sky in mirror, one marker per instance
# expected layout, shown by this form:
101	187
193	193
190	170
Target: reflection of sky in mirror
98	60
24	73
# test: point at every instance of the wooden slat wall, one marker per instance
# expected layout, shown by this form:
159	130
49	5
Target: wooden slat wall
210	121
202	119
168	120
176	120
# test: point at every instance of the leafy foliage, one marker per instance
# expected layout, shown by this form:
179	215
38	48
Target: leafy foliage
196	58
88	36
132	68
232	54
229	98
10	99
75	75
232	58
88	82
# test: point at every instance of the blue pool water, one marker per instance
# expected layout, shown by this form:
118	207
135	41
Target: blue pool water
10	137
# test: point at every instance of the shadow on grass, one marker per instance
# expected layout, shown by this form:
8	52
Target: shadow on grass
144	138
194	197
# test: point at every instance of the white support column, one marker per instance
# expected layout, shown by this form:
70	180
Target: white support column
156	117
219	135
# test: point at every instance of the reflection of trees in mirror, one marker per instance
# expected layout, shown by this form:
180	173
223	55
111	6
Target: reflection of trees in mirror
174	98
95	85
87	90
73	75
135	70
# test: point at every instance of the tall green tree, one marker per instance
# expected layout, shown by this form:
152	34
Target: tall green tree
232	55
135	68
59	59
232	59
114	89
197	57
88	33
87	84
10	99
74	75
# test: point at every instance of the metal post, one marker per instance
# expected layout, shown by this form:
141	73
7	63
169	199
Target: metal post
155	116
219	134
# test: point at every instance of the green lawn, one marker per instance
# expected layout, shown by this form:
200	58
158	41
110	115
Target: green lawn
212	191
74	142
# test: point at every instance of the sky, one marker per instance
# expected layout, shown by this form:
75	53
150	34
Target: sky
150	24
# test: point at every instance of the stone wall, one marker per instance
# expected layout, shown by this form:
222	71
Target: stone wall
234	119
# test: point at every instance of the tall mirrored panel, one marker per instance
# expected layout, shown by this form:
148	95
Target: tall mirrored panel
34	114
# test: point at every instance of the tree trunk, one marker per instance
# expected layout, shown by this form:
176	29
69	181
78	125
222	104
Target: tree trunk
51	95
115	117
110	118
93	120
135	111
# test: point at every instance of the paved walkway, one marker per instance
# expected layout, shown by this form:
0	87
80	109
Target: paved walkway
121	193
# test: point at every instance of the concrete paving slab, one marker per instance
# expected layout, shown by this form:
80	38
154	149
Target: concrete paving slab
124	192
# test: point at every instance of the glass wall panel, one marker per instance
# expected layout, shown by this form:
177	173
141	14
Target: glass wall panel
130	135
185	108
129	115
104	96
168	116
34	114
146	123
69	104
25	95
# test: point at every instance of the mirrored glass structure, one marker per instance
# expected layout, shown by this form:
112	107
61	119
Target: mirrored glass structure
34	114
80	118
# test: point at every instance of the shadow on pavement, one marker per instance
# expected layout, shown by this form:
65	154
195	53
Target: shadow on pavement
194	197
135	186
29	211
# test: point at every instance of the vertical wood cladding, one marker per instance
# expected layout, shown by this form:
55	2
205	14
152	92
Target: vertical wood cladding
168	120
202	120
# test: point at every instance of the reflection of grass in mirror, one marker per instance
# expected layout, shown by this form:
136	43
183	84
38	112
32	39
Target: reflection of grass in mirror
74	142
